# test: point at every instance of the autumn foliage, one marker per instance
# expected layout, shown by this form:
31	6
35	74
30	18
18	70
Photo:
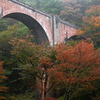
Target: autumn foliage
2	77
77	66
91	24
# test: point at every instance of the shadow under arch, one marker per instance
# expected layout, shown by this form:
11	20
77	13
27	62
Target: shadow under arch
76	37
32	24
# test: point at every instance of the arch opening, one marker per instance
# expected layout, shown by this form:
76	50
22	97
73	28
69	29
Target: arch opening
32	24
76	37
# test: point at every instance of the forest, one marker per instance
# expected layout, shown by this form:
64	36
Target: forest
69	71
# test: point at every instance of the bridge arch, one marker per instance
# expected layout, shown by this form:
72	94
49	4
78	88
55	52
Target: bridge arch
32	24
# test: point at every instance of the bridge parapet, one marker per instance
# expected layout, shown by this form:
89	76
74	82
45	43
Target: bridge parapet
30	7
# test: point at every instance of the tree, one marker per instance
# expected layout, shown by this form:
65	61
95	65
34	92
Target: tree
2	77
95	2
35	61
77	67
74	10
91	24
10	29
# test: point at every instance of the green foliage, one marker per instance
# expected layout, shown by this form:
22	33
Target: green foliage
51	6
5	22
9	30
22	30
5	37
26	96
54	7
95	2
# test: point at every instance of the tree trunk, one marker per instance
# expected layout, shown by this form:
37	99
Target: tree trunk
43	86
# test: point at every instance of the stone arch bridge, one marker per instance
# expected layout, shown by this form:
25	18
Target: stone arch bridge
45	27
